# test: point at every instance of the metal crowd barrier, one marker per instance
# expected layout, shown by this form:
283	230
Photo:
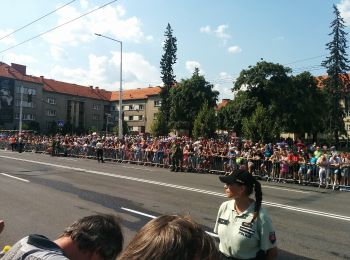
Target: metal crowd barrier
306	174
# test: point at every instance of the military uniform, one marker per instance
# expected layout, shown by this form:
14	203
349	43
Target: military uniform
240	239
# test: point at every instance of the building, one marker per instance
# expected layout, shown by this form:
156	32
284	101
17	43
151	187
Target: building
50	103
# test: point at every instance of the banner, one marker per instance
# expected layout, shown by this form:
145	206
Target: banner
7	100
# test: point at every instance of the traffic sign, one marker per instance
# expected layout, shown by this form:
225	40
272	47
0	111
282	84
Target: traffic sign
60	123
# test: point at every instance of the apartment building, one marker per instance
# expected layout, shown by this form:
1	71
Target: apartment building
48	102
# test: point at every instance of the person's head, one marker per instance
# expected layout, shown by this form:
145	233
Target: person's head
100	234
241	184
171	237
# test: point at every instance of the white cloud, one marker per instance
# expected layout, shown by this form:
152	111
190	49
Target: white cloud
191	65
108	20
234	49
8	40
84	4
225	91
104	72
137	72
219	32
58	53
205	29
20	59
344	9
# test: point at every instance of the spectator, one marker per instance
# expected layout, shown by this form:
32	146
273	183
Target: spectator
91	237
171	238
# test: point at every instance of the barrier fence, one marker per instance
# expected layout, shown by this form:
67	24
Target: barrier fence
277	171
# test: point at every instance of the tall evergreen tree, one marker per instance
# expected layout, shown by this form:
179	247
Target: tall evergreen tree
166	65
337	82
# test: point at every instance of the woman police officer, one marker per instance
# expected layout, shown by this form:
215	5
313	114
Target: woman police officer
244	228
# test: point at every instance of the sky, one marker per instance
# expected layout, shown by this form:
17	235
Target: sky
221	38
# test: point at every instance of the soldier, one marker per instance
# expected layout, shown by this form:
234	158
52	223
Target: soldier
175	156
99	147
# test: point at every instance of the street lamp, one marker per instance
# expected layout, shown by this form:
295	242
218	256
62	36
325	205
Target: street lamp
120	120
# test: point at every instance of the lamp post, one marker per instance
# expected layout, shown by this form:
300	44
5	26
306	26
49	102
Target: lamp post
120	120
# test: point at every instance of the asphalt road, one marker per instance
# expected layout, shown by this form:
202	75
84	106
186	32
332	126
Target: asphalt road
43	194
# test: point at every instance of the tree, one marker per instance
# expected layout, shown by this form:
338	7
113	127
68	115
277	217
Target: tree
166	65
270	85
230	117
187	99
205	123
337	82
159	126
261	126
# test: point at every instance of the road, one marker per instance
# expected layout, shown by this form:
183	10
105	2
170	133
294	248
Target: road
43	194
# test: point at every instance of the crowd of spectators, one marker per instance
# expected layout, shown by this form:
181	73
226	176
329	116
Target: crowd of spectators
284	161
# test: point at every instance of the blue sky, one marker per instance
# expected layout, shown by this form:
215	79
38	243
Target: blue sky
220	37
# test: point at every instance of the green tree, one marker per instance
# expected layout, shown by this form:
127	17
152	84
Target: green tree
125	128
270	85
167	74
159	126
337	82
230	117
205	122
261	126
187	99
310	105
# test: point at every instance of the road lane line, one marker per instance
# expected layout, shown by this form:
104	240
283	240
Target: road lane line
137	168
138	212
272	204
286	189
151	216
17	178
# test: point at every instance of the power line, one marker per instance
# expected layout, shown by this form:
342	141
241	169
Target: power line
311	58
52	29
35	20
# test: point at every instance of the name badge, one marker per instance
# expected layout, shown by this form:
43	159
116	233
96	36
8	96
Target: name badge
223	221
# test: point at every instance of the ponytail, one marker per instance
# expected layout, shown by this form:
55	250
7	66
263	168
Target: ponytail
258	199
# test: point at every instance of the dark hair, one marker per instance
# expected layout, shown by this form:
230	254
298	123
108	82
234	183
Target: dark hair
258	196
97	232
171	237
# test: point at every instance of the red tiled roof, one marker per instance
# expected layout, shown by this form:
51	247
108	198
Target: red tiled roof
51	85
140	93
7	71
223	103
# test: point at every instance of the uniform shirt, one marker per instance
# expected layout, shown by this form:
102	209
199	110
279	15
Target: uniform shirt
99	145
238	237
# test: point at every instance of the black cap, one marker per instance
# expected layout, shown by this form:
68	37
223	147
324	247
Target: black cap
238	176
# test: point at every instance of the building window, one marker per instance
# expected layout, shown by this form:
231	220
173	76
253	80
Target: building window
130	118
51	101
95	117
25	103
140	118
157	103
95	107
141	107
51	112
28	117
26	91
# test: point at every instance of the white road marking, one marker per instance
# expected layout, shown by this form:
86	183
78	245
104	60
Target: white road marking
286	189
151	216
138	168
17	178
272	204
67	159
